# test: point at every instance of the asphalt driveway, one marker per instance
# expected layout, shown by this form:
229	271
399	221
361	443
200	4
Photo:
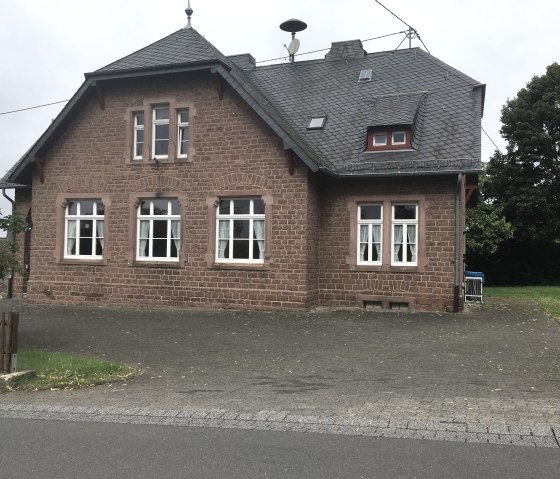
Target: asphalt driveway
500	363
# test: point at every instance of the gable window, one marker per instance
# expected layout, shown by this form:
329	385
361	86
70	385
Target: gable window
138	136
389	138
158	230
161	129
370	233
240	230
379	139
182	133
404	235
160	132
84	229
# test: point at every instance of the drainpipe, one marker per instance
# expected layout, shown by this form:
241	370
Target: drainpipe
458	237
12	271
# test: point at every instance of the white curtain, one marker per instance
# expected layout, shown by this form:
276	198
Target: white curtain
411	239
258	231
364	238
71	237
376	233
100	235
175	234
144	232
223	238
398	240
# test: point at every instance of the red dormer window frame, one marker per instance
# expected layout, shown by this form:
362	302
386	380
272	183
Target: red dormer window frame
389	132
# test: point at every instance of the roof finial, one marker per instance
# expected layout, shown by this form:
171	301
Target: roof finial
189	12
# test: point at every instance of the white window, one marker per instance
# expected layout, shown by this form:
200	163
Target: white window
160	132
158	230
370	233
404	251
240	236
379	139
182	133
399	138
138	135
83	229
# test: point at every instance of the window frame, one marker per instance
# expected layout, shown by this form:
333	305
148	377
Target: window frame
160	122
405	224
370	223
387	201
389	132
182	125
60	256
151	217
78	218
231	217
393	133
148	151
137	129
212	203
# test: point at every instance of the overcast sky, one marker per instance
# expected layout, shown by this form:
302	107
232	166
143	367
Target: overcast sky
46	46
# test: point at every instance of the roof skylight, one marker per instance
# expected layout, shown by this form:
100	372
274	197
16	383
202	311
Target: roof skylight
365	74
317	123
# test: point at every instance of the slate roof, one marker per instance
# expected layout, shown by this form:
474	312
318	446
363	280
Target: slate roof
409	87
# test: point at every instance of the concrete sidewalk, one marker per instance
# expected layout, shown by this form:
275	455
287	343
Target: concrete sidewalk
489	375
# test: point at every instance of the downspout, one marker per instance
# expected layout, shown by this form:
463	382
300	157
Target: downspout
458	237
12	271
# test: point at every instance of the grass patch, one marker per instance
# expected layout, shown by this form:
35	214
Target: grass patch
63	371
547	297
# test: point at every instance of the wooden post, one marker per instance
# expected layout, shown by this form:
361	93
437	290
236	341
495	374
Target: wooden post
3	344
9	323
14	320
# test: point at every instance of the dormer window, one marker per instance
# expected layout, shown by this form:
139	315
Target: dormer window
398	138
379	139
317	123
389	138
365	75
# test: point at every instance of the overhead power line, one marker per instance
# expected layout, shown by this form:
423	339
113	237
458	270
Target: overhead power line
328	48
33	107
488	136
411	33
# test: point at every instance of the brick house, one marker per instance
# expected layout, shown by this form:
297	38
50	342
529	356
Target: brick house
177	176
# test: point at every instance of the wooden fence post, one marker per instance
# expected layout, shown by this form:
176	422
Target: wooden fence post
9	323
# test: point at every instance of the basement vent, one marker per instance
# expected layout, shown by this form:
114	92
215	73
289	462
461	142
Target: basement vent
373	305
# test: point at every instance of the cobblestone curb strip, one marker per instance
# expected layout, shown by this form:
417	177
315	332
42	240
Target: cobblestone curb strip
535	436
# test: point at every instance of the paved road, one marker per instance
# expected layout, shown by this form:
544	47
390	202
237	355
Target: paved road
490	374
55	449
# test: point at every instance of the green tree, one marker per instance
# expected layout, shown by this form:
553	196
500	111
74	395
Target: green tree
13	224
486	230
524	183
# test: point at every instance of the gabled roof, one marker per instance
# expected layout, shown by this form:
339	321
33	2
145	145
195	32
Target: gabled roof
442	105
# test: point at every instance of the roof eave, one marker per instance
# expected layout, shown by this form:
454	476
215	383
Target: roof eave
159	70
52	128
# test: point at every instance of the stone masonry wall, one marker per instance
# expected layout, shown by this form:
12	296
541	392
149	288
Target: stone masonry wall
234	152
426	287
